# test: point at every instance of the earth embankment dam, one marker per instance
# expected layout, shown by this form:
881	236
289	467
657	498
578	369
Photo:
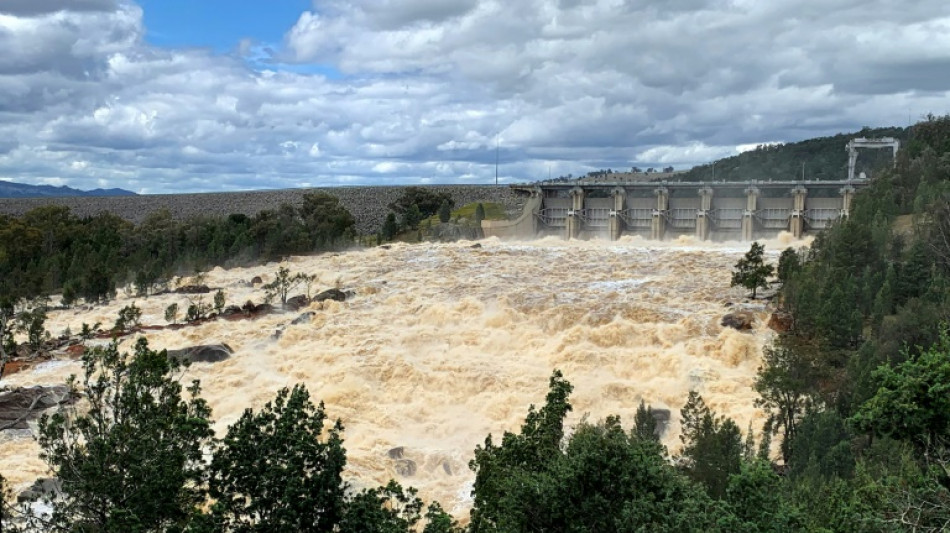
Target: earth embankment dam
369	205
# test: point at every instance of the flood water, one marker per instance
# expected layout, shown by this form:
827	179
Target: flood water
443	344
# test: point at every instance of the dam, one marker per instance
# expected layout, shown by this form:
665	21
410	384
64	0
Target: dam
663	210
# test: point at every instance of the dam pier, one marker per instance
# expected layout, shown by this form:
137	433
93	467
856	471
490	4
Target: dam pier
660	210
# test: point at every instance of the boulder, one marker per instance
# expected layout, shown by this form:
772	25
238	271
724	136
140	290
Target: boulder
662	418
193	289
23	404
297	302
405	467
476	245
740	320
330	294
231	310
780	321
397	452
205	353
256	280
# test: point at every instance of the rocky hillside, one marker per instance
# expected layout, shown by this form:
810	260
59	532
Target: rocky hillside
368	204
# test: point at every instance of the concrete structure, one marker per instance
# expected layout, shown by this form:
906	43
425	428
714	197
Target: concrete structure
720	210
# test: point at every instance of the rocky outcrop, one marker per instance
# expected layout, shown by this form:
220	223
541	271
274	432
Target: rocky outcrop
740	320
330	294
780	321
193	289
21	405
297	302
205	353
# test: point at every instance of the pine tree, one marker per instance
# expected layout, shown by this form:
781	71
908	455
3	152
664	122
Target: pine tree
751	271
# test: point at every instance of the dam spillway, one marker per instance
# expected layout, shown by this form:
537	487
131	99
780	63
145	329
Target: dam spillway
661	210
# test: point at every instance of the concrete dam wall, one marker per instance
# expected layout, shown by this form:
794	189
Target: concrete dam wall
367	204
708	211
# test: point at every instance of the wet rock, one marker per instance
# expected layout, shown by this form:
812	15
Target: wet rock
330	294
740	320
23	404
193	289
397	452
405	467
232	310
76	350
476	245
303	319
385	246
662	417
41	487
205	353
780	321
256	280
447	468
297	302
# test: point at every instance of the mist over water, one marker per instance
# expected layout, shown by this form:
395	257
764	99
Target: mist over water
445	343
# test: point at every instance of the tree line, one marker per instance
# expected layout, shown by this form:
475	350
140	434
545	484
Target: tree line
50	250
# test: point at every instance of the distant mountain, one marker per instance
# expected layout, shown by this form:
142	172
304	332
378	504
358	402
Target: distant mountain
9	189
824	158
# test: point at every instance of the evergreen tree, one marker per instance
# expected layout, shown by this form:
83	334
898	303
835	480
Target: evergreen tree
751	271
135	460
445	212
390	227
279	470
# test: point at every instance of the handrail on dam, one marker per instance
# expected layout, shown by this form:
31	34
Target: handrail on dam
659	209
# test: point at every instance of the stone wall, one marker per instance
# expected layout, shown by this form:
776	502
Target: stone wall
368	204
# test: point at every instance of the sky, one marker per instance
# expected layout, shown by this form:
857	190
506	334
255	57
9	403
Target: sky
169	96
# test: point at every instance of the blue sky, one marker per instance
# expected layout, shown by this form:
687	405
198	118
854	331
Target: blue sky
162	96
219	24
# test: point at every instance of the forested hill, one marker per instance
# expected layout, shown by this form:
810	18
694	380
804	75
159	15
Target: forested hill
825	158
10	189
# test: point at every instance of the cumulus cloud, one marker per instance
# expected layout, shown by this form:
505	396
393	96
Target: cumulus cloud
387	91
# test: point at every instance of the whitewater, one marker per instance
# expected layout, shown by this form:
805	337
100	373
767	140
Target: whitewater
442	344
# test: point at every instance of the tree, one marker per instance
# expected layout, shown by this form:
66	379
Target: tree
912	401
325	219
445	212
129	318
712	446
601	479
497	467
786	383
390	227
134	460
388	509
644	424
171	313
427	202
279	470
7	325
751	271
283	283
219	301
789	263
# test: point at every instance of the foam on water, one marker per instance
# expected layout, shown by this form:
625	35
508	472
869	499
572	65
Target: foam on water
444	344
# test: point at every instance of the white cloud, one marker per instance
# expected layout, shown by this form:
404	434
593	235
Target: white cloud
387	91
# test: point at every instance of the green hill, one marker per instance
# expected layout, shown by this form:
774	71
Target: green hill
825	158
